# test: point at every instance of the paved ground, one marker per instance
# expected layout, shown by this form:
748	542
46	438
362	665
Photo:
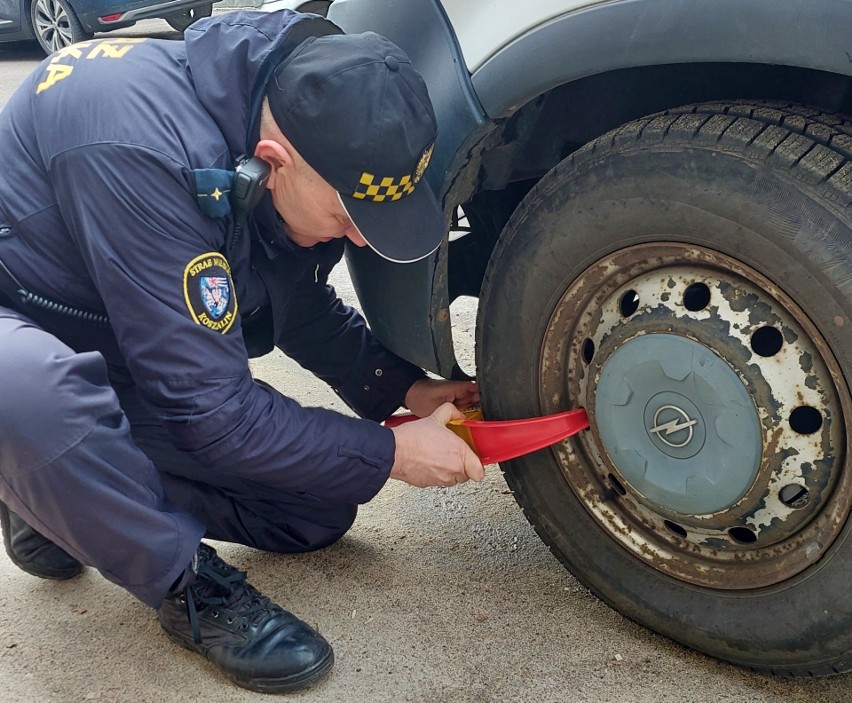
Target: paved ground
435	596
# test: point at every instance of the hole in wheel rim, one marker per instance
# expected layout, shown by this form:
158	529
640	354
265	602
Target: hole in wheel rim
616	484
805	419
675	529
794	495
696	297
629	303
588	350
742	535
767	341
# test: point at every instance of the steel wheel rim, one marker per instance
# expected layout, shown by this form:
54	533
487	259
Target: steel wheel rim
738	547
52	24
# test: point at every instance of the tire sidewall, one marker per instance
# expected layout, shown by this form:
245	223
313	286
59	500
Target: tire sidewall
592	205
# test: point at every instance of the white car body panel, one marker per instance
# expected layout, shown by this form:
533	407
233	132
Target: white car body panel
275	5
483	27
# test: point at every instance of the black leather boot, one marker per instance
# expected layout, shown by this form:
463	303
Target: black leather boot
33	553
256	643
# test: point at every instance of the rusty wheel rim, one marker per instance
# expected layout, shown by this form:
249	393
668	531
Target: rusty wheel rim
776	515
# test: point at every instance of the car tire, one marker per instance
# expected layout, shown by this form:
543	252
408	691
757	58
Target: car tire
180	21
695	263
55	25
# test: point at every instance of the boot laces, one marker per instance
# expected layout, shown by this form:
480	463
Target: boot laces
221	585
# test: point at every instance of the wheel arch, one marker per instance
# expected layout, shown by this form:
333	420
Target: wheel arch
610	36
499	170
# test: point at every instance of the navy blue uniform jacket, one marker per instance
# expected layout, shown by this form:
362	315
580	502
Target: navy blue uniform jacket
99	209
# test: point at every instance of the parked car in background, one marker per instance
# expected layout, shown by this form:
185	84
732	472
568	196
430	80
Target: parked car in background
55	24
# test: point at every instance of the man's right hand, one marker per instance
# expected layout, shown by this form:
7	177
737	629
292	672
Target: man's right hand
428	454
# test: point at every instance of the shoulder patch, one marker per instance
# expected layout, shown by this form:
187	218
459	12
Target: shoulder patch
209	292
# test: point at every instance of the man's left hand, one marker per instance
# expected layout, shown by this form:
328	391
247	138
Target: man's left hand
427	394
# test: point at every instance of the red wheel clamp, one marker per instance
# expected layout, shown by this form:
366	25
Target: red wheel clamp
499	440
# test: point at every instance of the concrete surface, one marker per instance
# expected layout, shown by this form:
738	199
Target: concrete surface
435	596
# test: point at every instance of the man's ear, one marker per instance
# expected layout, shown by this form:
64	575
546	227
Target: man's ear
276	155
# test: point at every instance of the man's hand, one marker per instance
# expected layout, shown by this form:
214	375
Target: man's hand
427	394
428	454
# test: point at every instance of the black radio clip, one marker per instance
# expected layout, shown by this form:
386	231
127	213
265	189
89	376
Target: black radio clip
250	177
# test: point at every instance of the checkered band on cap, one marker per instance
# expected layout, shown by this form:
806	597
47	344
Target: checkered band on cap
378	190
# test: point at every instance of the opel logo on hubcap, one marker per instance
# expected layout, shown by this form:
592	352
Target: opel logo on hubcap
681	422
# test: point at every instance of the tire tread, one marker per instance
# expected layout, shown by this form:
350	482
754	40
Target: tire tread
815	146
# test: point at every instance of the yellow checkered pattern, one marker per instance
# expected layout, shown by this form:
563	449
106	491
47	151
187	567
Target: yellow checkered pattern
379	190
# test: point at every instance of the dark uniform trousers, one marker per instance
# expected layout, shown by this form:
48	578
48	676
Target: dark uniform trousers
86	463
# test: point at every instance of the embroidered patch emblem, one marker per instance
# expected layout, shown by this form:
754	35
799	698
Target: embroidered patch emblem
215	294
209	292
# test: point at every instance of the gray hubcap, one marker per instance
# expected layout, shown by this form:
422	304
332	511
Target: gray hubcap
697	448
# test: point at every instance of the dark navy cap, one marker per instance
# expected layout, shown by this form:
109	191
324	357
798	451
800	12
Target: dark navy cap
359	113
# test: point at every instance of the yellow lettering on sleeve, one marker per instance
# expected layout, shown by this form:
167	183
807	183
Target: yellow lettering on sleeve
55	73
113	48
74	51
110	49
